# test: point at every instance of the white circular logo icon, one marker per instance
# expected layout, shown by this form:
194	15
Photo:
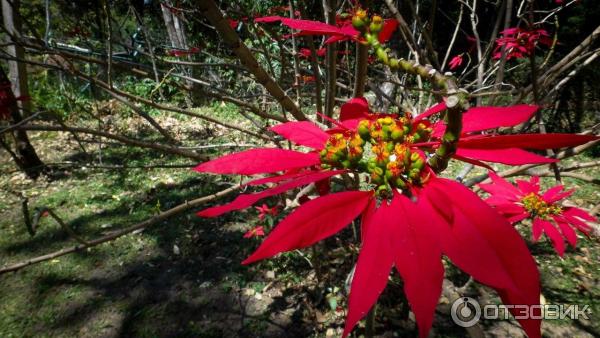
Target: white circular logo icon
465	312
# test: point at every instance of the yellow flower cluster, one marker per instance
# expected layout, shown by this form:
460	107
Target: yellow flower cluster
535	205
382	148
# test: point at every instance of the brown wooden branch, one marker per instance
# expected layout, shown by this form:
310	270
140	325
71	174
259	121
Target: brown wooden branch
125	66
122	139
566	63
152	221
210	10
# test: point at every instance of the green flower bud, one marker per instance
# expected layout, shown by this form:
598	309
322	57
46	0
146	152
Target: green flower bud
363	130
383	189
360	20
400	183
418	164
376	24
414	174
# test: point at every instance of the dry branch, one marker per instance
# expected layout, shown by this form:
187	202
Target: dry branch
154	220
210	10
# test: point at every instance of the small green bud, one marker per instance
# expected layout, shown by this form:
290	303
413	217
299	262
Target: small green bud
360	20
383	189
414	173
376	24
418	164
363	130
400	183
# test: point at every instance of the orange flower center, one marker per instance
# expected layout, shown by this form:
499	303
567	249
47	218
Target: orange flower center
382	149
535	205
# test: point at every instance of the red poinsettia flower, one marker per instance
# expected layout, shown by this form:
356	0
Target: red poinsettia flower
520	43
344	32
456	62
264	210
258	231
441	217
183	52
548	215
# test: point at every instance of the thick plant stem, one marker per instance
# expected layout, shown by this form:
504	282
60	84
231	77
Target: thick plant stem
536	98
331	87
360	73
456	100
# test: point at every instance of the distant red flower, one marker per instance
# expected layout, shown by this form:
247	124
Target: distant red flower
520	43
456	61
305	52
258	231
442	218
183	52
526	201
264	210
233	23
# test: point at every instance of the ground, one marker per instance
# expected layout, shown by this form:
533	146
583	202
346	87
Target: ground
183	277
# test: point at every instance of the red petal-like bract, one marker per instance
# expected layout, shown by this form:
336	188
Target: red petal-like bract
418	259
302	133
482	118
431	111
356	108
557	240
389	26
526	141
485	245
307	26
259	161
311	222
511	156
374	263
245	200
471	161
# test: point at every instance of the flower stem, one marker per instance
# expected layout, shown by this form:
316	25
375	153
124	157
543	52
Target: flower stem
360	72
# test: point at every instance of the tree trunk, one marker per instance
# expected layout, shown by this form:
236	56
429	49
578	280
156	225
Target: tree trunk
176	31
24	154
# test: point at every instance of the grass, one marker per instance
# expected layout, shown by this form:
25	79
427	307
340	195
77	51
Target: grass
139	285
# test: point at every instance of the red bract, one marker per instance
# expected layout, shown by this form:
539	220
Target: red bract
456	62
520	43
506	149
411	234
264	210
526	201
258	231
183	52
342	33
